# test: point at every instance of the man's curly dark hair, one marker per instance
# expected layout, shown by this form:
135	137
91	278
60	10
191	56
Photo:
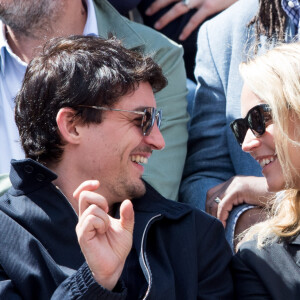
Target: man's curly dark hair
73	71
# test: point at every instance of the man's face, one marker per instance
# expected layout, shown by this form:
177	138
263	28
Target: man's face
111	151
26	16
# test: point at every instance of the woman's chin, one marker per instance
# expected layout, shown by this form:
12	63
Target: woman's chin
275	186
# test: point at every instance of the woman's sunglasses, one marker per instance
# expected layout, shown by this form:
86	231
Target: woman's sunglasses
256	120
148	120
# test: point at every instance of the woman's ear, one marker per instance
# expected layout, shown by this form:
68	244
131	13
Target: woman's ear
67	125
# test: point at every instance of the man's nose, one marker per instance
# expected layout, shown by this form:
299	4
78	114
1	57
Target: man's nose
155	139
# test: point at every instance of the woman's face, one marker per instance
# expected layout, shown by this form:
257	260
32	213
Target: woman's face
262	148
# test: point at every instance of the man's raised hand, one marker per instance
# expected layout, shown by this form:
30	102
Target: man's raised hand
104	241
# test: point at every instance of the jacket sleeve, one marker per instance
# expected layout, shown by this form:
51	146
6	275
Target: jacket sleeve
214	255
208	162
248	285
81	285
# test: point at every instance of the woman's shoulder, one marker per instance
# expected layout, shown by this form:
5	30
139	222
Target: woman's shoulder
273	269
274	252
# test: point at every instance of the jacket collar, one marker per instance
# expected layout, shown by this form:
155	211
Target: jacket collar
27	175
121	27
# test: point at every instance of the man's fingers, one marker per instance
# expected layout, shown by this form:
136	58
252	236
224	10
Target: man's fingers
92	222
87	198
88	185
127	215
224	208
96	211
216	190
211	207
176	11
193	23
157	6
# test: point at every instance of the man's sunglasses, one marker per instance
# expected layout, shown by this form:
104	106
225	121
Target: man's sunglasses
148	120
256	120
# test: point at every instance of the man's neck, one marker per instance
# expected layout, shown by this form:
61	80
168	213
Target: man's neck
69	178
69	22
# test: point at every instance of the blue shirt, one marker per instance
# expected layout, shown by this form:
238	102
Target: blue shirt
292	9
12	70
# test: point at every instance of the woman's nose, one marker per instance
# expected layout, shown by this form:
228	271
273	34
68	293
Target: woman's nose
250	142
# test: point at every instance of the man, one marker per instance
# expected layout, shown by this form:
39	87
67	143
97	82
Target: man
88	123
218	175
25	27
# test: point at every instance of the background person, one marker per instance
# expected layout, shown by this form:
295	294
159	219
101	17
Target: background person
267	266
178	20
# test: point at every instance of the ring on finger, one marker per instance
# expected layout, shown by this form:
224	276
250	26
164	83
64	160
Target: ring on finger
186	3
217	200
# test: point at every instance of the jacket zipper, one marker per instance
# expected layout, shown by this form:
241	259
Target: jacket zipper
144	260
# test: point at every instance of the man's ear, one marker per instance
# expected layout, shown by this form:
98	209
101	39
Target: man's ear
67	123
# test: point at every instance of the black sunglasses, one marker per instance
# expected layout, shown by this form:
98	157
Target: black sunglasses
256	120
148	120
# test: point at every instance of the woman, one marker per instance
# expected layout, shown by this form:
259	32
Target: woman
267	265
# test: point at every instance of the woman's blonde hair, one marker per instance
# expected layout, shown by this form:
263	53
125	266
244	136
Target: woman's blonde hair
275	78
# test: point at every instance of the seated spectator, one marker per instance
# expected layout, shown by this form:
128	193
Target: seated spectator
24	28
267	263
178	20
79	222
218	176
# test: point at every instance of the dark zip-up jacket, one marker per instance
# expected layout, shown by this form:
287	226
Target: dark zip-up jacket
181	252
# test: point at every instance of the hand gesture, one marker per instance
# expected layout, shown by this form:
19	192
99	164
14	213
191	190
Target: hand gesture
104	241
205	8
235	191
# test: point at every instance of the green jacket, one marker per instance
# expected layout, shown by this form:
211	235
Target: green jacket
164	169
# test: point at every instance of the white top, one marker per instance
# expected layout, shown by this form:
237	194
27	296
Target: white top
12	70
